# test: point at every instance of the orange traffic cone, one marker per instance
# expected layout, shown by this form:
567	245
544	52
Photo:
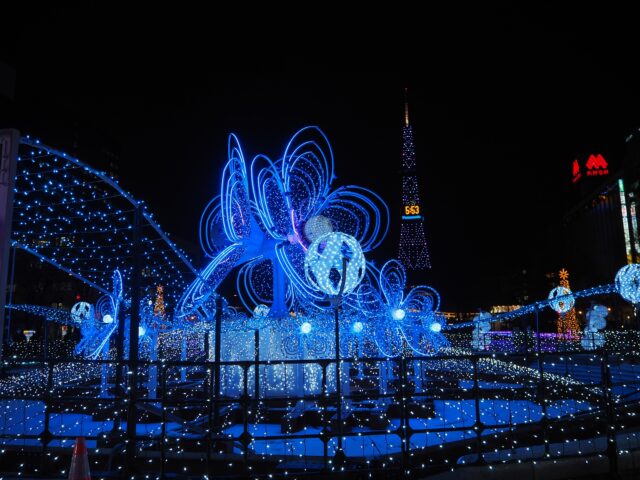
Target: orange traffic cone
79	461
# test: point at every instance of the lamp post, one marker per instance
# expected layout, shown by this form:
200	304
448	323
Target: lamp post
336	302
335	251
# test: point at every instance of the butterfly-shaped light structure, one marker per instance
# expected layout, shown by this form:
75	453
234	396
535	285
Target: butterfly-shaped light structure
398	323
265	218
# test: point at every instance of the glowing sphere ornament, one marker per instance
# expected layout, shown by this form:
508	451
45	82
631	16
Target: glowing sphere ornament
561	300
628	283
261	311
305	328
358	327
435	327
398	314
81	311
316	227
107	319
324	266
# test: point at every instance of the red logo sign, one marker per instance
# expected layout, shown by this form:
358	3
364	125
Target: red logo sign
576	171
597	165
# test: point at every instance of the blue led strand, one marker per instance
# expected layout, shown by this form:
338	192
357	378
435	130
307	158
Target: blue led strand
80	220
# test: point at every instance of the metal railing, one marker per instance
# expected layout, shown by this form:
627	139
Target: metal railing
403	415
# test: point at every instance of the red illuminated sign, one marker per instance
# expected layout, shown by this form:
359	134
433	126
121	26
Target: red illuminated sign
576	171
596	166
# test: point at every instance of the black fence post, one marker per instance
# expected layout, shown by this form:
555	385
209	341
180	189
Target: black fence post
404	414
325	435
256	357
338	381
134	324
217	368
612	443
478	426
210	421
163	432
45	436
245	437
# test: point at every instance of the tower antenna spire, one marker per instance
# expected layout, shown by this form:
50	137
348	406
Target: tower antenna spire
406	107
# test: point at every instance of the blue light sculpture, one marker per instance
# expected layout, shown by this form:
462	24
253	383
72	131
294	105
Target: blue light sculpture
267	216
96	332
402	324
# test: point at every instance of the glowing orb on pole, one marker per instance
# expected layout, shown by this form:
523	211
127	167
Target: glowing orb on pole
324	266
316	227
81	311
261	311
305	328
628	283
435	327
561	300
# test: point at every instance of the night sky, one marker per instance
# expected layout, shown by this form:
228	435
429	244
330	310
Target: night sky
501	102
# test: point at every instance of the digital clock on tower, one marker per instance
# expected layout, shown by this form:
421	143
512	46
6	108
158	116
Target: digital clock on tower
412	210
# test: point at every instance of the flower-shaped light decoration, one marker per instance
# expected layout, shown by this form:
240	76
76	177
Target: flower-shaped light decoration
97	332
561	300
260	221
628	283
402	324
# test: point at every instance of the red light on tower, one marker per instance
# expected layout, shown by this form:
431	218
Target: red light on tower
77	297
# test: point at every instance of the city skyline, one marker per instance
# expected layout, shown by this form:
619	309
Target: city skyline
498	124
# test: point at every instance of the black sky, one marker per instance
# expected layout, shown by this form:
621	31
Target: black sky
501	102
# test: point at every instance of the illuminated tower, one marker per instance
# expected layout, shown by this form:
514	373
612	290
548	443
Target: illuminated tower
414	253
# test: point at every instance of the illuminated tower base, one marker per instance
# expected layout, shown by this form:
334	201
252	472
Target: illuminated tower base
414	254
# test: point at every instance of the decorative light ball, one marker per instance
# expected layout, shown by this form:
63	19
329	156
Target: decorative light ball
81	311
107	319
435	327
316	227
305	327
398	314
628	283
141	331
358	327
323	264
261	311
561	300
